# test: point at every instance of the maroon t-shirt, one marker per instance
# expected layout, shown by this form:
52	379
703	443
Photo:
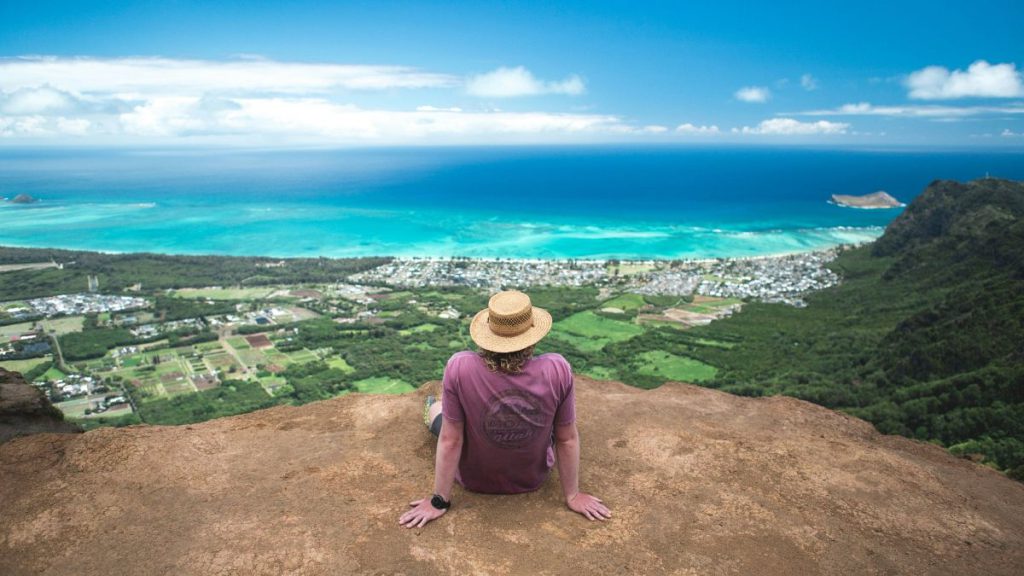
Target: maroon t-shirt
509	420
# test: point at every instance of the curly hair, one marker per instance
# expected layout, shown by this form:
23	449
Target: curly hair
506	362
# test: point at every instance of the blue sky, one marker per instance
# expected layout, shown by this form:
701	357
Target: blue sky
308	73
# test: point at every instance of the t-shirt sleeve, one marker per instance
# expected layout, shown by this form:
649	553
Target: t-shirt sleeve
566	412
451	404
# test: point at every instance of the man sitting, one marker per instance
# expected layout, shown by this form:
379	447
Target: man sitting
500	412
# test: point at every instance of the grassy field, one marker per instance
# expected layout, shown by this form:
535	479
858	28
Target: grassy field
601	373
225	293
54	374
672	367
302	356
382	385
708	304
23	365
340	363
14	329
581	343
625	302
589	332
419	328
239	343
64	325
713	343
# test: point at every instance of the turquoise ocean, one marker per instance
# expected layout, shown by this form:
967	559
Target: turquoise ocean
506	202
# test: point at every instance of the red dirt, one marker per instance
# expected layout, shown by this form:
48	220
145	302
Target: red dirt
258	341
700	482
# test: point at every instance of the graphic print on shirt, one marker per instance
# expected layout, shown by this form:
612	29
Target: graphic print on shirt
512	418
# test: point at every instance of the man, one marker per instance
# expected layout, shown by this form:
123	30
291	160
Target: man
500	412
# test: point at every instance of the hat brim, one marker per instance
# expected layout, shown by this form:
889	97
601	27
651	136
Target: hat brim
481	333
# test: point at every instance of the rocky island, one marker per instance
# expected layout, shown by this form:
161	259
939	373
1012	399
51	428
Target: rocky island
23	199
878	199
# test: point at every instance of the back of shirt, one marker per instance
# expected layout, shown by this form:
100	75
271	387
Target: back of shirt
509	420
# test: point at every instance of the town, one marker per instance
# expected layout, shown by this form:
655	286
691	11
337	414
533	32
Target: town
767	279
116	358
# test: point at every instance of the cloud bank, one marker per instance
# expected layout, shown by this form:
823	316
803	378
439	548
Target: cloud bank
518	81
702	130
980	80
914	111
263	101
791	127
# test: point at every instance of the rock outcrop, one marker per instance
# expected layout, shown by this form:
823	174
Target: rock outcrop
878	199
699	482
23	199
25	410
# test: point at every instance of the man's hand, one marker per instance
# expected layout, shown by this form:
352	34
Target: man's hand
422	512
589	506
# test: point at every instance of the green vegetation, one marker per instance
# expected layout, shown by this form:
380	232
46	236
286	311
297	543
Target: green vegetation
381	385
922	338
24	366
339	363
224	293
677	368
64	325
118	272
232	397
417	329
625	302
590	325
239	343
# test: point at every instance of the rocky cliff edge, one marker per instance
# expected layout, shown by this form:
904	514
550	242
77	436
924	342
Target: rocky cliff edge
700	482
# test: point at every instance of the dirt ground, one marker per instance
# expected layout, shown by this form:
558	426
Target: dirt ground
699	482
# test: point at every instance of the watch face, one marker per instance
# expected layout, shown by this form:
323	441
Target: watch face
439	503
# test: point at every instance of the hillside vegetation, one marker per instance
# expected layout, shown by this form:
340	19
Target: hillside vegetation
924	338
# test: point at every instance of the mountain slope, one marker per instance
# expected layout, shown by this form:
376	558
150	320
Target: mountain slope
699	481
925	337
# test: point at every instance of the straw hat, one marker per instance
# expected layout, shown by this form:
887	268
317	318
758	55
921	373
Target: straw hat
509	323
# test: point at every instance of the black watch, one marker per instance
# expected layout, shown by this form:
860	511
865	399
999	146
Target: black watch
440	503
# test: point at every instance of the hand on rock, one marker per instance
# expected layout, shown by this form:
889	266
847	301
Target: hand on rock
589	506
422	512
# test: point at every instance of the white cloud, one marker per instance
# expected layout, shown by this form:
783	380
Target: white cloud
39	100
437	109
165	75
981	80
791	127
691	129
808	82
518	81
321	120
753	94
914	111
1007	133
261	102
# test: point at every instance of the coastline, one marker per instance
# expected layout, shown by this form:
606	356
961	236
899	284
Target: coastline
706	244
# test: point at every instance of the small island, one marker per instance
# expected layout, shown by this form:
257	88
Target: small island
878	199
23	199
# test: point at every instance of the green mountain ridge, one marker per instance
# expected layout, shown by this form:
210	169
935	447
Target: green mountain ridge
925	336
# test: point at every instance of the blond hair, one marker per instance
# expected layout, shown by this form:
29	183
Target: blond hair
506	362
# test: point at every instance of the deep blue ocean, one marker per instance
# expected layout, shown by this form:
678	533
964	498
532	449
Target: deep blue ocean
509	202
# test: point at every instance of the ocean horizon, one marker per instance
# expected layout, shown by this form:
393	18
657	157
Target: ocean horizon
502	202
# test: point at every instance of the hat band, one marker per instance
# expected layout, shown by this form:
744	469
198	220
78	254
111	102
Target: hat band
513	325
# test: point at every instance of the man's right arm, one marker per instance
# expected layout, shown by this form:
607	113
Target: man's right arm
567	446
